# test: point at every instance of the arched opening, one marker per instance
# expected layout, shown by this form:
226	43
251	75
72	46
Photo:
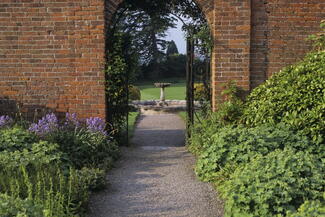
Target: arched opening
137	48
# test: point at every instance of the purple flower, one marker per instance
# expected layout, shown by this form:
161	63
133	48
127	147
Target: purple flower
5	121
96	125
46	125
72	121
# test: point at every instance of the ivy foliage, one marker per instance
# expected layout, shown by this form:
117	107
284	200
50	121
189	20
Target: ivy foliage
117	86
319	39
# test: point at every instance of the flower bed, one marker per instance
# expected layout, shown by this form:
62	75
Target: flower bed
50	168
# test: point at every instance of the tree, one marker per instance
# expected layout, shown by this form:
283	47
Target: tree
147	31
145	23
172	48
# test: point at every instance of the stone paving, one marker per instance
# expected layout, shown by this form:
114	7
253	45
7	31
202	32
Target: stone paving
155	176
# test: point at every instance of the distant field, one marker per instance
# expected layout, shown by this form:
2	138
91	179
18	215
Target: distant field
176	91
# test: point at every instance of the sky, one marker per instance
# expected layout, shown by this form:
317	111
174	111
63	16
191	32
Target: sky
177	35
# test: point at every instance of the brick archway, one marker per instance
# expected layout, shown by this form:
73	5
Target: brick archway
52	52
230	24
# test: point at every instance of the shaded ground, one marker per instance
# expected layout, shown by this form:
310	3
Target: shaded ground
155	177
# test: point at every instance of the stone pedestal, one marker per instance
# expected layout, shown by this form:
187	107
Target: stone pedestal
162	87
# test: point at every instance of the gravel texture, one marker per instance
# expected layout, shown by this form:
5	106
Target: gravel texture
155	176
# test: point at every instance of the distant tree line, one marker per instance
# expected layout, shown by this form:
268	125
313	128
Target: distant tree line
140	27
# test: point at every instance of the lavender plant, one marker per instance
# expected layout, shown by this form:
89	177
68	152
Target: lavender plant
96	125
46	125
5	121
72	121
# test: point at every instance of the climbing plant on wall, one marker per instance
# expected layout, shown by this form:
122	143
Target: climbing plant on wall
117	87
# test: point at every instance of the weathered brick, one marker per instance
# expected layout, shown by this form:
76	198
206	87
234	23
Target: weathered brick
52	52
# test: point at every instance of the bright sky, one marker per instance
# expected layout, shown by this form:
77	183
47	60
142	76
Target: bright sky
177	35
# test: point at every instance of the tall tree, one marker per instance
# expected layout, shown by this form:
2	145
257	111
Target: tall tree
148	32
145	22
171	48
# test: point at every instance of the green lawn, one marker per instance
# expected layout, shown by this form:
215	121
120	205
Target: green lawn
183	115
176	91
132	121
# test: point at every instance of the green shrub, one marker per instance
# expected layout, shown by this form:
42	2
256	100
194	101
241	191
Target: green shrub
134	93
237	145
85	148
60	193
41	153
202	132
228	113
274	184
16	207
16	138
201	93
231	107
294	96
94	178
309	209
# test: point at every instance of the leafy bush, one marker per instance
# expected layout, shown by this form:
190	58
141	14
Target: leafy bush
94	178
309	209
39	173
16	207
202	132
83	143
16	138
60	193
294	96
200	92
230	109
237	145
134	93
85	148
229	112
41	153
274	184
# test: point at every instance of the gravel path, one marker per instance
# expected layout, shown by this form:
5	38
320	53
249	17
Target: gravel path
155	176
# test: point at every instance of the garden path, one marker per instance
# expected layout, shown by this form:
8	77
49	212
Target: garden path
155	176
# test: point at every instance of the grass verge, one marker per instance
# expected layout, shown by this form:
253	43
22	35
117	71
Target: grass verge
133	116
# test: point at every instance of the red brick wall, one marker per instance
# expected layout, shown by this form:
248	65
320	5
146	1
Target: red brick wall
52	51
232	37
52	55
279	30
